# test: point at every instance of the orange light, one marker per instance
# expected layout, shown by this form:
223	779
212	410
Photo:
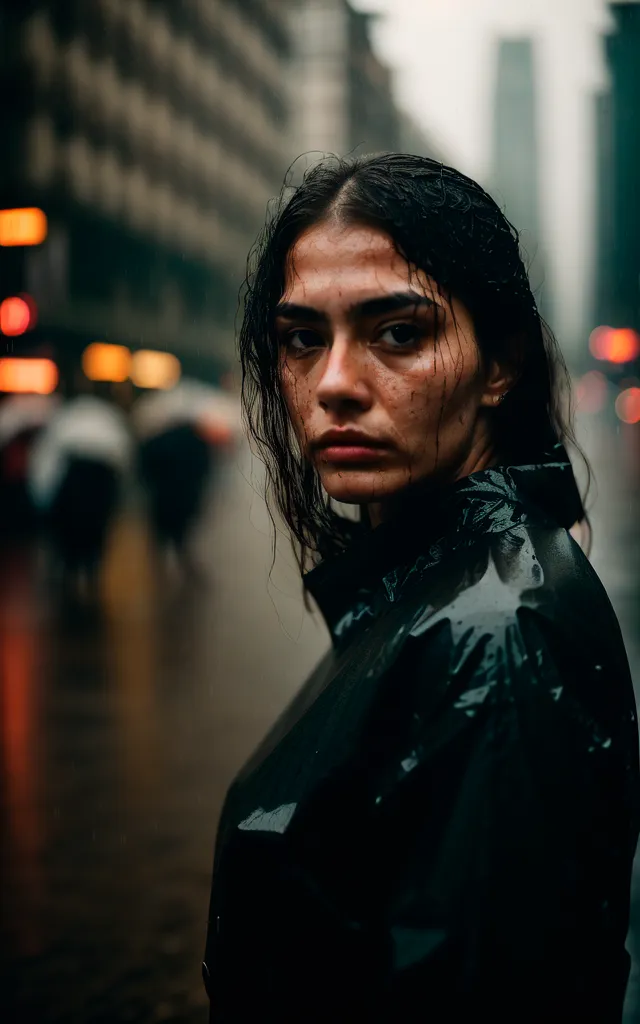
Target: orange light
106	362
614	344
23	227
17	315
591	392
628	405
151	369
28	376
596	342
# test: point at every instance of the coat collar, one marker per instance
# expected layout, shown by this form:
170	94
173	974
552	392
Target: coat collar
378	562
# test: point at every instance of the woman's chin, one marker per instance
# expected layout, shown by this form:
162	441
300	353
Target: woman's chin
360	487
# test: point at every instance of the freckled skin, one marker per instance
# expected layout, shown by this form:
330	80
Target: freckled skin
428	401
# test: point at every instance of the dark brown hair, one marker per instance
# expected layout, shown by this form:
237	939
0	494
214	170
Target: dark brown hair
445	224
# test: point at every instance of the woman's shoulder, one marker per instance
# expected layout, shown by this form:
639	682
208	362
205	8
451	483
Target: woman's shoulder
549	572
541	565
531	572
528	614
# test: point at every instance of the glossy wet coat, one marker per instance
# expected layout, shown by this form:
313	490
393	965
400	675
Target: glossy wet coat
441	826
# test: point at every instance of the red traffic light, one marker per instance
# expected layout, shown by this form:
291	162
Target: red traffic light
18	314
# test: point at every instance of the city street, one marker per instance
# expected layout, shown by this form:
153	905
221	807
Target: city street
122	727
120	733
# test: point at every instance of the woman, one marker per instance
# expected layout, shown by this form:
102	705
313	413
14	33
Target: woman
441	826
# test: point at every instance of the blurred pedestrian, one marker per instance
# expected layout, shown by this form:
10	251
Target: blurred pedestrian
183	434
22	417
175	466
76	473
442	824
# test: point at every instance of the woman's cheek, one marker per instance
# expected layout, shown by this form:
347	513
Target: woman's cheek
298	396
290	390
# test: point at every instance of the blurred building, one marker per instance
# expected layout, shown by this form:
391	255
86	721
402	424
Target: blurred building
344	101
515	154
618	132
152	134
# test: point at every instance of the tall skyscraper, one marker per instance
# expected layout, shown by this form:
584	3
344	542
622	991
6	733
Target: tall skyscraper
618	124
514	179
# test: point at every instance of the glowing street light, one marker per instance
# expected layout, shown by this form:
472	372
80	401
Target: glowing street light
614	344
27	226
101	361
151	369
28	376
18	315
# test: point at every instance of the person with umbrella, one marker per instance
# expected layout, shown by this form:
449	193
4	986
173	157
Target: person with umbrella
22	418
182	433
76	472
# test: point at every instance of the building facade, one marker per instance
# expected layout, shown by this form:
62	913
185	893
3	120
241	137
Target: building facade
514	178
344	102
152	134
618	133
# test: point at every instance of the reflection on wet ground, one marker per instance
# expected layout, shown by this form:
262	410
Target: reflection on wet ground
121	726
614	452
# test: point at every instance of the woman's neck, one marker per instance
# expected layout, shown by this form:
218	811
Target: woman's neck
480	457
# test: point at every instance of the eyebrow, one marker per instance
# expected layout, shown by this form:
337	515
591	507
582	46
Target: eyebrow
392	303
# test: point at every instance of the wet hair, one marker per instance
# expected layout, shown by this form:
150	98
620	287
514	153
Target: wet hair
446	225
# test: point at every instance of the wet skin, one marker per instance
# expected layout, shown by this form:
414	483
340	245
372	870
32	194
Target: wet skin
369	344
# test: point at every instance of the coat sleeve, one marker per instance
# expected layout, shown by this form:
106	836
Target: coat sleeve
505	832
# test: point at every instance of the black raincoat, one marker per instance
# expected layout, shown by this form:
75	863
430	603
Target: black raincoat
441	825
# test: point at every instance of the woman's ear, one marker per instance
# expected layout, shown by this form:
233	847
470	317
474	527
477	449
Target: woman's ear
498	382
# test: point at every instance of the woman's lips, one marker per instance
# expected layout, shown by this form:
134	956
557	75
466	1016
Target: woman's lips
345	453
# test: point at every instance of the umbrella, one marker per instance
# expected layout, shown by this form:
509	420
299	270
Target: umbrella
214	412
25	412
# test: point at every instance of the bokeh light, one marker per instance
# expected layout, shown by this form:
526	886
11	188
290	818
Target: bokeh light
26	226
101	361
28	376
151	369
17	315
614	344
591	392
628	405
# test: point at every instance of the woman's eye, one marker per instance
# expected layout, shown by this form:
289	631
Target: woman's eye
401	335
302	339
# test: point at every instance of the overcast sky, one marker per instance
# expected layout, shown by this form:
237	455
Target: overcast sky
441	52
443	56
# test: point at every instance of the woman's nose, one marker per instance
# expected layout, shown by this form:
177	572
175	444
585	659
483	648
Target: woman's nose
344	379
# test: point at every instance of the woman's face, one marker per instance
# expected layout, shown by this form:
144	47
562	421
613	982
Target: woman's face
381	374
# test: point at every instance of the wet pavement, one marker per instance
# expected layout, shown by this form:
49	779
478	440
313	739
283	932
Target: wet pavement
122	726
614	453
120	733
